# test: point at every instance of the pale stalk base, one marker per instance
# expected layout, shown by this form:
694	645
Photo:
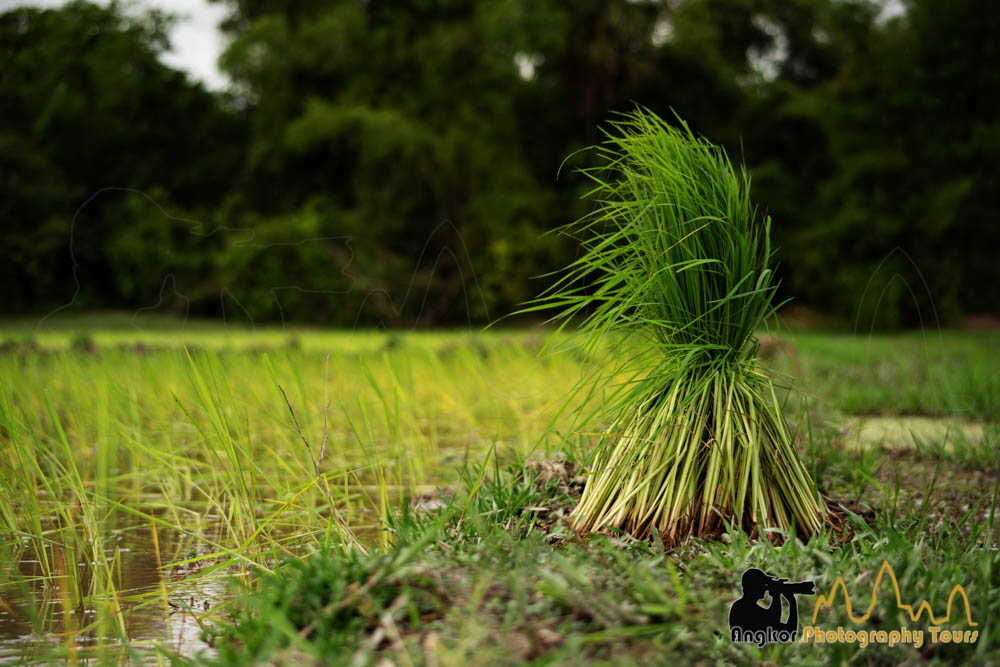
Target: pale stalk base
703	454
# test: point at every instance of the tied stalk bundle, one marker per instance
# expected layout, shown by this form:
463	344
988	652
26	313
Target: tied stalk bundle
674	280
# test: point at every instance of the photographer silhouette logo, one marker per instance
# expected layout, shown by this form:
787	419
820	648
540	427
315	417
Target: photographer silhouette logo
751	622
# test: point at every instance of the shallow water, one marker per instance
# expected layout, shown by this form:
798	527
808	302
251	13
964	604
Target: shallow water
36	624
164	608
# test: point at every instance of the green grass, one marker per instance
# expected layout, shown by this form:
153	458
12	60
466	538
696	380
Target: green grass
99	445
936	373
460	587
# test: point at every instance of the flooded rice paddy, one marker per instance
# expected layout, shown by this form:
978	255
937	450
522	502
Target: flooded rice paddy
141	485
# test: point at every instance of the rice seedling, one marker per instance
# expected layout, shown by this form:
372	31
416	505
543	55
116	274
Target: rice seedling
134	479
675	277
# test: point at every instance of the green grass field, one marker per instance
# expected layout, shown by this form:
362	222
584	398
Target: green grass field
160	484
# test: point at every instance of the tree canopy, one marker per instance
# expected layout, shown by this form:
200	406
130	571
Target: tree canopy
399	163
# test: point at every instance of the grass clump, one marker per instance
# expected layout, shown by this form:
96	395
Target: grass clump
678	264
328	603
489	579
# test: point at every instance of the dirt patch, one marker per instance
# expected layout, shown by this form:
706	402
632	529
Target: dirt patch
562	474
770	347
431	500
984	322
838	519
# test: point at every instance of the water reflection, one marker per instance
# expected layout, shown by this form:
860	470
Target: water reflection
56	604
146	606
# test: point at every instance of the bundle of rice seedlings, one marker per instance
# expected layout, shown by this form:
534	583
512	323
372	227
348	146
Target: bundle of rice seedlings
674	279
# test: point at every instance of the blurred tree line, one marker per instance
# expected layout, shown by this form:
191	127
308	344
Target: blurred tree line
396	163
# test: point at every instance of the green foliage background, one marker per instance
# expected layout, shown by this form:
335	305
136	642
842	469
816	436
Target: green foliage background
395	163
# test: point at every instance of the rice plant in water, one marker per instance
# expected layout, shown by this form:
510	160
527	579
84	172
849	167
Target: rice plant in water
675	277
